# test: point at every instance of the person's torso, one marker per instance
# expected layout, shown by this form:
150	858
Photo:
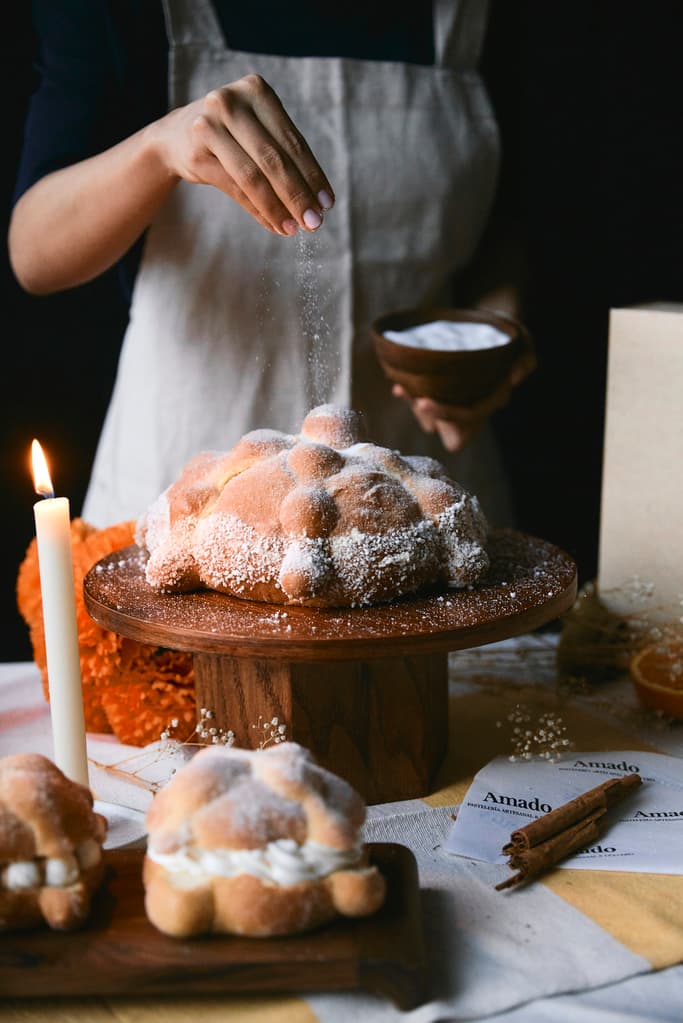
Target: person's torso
233	328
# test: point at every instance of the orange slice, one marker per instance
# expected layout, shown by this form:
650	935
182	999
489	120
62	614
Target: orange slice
657	674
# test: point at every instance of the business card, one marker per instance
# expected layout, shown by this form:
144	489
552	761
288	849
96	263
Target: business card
643	833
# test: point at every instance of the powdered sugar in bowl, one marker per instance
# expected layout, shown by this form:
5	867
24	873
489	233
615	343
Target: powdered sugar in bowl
454	356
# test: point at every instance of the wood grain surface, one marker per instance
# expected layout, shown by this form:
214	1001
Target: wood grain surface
530	582
381	724
119	952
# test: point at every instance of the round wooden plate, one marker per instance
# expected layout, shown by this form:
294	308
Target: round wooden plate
530	582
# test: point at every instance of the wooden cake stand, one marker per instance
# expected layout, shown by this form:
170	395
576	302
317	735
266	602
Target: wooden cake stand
365	689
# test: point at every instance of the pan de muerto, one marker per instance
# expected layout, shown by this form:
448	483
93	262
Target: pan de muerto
256	842
51	839
323	518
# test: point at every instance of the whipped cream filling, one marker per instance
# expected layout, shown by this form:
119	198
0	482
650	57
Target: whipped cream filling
21	874
283	862
50	871
61	871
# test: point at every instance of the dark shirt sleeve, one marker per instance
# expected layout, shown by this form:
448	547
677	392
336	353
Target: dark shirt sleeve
101	75
102	67
85	99
74	73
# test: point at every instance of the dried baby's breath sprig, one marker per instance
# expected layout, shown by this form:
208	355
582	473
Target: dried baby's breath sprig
273	731
597	644
167	747
130	769
205	733
209	733
541	737
132	777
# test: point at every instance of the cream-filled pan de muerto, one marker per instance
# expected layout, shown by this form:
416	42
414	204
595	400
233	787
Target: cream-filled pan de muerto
322	518
256	842
50	845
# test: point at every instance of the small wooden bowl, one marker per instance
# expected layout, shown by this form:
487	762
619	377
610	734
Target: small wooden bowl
453	377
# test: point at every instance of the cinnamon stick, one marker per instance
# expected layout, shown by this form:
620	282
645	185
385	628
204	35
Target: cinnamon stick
539	858
602	797
572	826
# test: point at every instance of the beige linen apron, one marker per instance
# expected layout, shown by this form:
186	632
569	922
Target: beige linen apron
233	328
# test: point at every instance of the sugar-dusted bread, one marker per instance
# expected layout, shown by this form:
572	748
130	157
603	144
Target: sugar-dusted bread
256	842
51	859
324	518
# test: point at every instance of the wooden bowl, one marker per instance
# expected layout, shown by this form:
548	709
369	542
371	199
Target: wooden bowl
453	377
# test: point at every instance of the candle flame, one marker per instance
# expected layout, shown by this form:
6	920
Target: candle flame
41	474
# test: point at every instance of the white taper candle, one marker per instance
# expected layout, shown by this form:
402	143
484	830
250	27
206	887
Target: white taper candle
53	534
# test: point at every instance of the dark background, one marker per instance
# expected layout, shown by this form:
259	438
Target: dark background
590	99
589	96
59	354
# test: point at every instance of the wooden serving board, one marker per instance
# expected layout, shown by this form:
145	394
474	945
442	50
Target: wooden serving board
119	952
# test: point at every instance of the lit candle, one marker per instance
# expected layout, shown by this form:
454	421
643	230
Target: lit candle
53	533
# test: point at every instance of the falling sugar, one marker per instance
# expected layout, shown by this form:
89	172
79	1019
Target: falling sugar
314	297
264	312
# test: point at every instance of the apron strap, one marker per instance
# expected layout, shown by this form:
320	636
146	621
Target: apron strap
193	22
459	28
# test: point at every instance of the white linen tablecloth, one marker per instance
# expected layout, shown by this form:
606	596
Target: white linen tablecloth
528	958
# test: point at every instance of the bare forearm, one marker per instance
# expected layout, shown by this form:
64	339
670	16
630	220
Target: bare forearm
75	223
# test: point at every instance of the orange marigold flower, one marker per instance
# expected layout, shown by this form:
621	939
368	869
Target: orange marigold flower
129	688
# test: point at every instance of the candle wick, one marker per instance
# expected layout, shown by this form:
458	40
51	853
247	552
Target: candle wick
45	493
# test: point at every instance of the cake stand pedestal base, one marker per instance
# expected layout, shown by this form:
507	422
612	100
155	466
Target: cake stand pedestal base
382	723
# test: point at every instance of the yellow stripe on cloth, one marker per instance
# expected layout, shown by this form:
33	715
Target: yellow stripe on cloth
642	911
480	731
208	1009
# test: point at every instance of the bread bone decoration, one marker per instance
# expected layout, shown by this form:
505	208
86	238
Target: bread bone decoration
258	843
323	518
51	859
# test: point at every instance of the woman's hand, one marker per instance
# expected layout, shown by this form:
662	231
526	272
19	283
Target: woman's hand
240	139
78	221
457	425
